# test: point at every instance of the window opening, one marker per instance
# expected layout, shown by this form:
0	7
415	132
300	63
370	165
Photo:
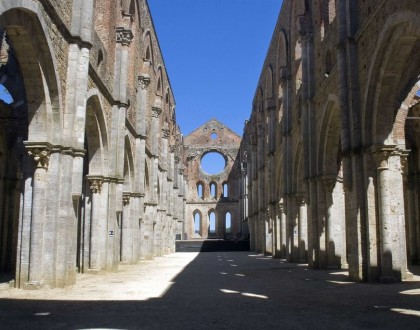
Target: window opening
228	223
212	223
213	190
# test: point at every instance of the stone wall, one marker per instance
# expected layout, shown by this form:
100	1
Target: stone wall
94	106
337	85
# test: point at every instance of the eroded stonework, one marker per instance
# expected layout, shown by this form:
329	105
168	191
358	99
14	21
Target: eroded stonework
213	209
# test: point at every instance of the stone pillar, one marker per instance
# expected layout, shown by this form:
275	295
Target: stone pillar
411	215
290	228
41	155
313	238
302	228
390	200
321	223
127	229
329	184
276	231
283	234
96	227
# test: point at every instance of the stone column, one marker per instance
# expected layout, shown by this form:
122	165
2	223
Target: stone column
313	238
321	223
290	227
283	235
331	249
302	228
96	227
393	265
411	214
41	156
127	231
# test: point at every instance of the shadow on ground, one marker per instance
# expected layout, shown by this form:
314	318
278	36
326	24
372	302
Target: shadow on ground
235	290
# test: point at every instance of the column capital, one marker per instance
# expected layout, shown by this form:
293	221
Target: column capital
143	81
95	183
40	152
126	198
381	154
172	148
124	36
329	182
156	112
300	199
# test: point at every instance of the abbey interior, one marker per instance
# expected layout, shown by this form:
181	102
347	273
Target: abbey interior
95	170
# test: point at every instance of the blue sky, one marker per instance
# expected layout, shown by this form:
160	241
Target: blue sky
214	51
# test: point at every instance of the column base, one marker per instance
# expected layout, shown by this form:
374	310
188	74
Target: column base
33	285
93	271
408	275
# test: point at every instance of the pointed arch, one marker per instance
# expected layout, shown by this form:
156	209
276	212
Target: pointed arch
390	81
96	135
27	34
128	166
329	152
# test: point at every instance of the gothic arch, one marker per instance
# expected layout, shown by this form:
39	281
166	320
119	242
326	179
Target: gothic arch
390	80
329	147
269	92
96	135
283	50
27	34
128	167
148	53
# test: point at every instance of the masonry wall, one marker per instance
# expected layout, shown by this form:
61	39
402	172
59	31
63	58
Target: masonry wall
334	102
92	145
212	137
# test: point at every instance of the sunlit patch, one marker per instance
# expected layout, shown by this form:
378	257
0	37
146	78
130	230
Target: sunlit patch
406	311
42	314
340	273
232	265
266	258
411	292
341	282
253	295
239	275
245	294
228	291
253	255
230	260
223	273
302	265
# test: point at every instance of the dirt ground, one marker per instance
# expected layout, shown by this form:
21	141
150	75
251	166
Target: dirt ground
220	290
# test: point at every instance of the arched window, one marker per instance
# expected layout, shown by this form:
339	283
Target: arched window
327	15
147	55
197	222
213	190
212	223
200	190
228	223
225	190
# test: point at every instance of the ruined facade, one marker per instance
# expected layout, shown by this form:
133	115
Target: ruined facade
212	206
335	122
89	146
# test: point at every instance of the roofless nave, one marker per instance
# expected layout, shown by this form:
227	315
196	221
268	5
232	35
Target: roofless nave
95	171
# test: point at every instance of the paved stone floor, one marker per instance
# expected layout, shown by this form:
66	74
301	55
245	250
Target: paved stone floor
226	290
